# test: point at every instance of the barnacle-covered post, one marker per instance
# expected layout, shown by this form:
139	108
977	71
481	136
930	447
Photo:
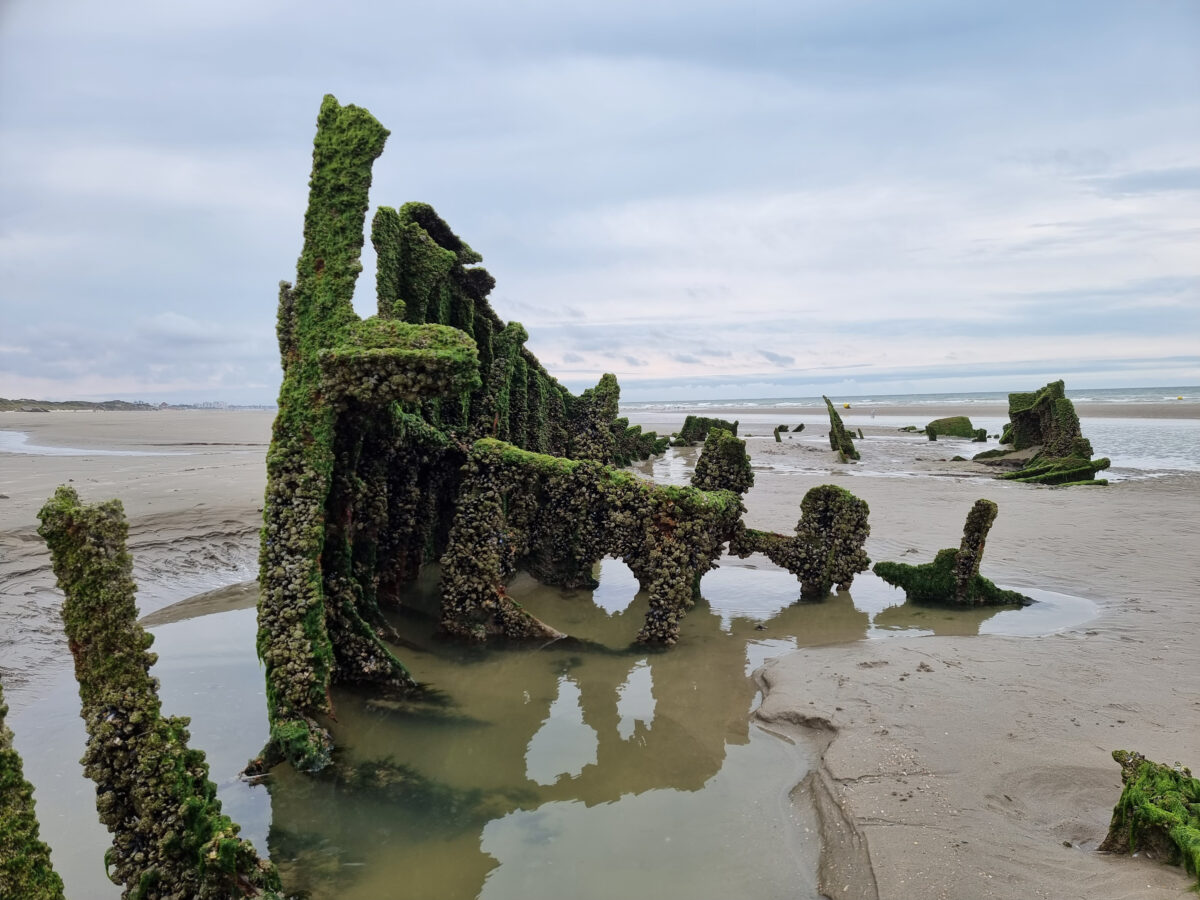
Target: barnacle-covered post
953	576
724	464
827	548
839	439
25	868
590	421
970	551
170	838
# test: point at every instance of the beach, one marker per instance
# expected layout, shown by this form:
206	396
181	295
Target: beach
949	766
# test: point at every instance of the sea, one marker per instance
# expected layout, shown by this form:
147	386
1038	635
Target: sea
1184	393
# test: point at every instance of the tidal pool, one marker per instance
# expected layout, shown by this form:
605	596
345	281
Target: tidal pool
587	767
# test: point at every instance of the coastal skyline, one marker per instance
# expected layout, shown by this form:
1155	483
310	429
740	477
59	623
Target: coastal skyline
813	198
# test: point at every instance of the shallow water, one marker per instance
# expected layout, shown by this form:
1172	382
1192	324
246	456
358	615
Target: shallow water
592	769
18	442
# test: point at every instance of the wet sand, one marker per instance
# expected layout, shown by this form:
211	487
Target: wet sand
966	780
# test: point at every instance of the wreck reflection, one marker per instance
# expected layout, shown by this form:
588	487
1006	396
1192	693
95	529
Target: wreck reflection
529	740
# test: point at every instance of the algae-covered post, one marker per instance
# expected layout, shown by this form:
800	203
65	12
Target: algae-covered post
839	439
1158	812
25	868
953	576
827	548
170	838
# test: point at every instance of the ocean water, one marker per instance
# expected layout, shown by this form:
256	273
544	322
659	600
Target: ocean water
1099	395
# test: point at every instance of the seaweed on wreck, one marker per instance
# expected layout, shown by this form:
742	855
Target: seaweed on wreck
827	548
557	518
375	421
955	426
25	867
953	576
839	439
1158	812
1046	419
170	838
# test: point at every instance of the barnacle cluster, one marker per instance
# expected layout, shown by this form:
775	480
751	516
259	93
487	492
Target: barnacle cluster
827	548
557	518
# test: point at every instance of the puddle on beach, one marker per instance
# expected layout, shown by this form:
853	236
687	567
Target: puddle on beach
587	769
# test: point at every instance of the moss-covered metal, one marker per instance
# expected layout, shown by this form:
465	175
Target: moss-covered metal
1046	419
839	439
1158	812
25	868
170	838
953	577
827	548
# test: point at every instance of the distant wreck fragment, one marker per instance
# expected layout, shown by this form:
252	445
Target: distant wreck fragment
955	426
827	548
696	428
839	439
953	576
170	838
1046	419
1158	812
25	867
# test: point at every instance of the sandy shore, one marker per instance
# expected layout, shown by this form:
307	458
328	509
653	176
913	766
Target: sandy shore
953	767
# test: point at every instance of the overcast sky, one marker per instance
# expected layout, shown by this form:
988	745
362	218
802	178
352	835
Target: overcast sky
709	199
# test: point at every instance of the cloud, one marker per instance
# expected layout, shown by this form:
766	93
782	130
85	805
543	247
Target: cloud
777	358
861	187
1150	181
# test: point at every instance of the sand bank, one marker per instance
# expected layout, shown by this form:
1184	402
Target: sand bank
953	767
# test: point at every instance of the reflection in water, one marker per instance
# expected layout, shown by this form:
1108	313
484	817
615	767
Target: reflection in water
589	766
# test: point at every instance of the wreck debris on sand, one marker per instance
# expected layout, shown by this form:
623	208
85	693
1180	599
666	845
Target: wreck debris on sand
955	426
1046	420
170	838
953	577
1158	812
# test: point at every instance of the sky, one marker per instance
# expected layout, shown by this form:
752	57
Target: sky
708	199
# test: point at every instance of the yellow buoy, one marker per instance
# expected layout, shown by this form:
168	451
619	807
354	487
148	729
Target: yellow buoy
847	405
1179	398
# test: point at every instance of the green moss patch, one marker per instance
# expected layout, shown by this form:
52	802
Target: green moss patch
1158	812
